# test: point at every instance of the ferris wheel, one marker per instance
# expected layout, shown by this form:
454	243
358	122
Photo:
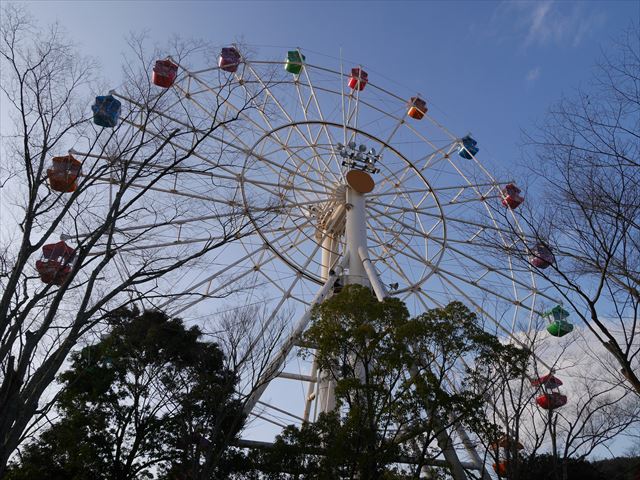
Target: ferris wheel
340	181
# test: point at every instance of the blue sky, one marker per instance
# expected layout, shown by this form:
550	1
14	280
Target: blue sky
492	68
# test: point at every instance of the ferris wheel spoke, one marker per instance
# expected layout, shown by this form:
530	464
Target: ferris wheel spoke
218	273
505	240
422	137
443	273
450	134
408	251
303	168
280	410
267	186
236	144
187	151
386	193
393	181
298	276
468	243
252	252
416	255
416	210
284	146
349	113
133	246
452	202
311	144
353	112
370	106
237	140
406	226
294	242
428	299
277	167
168	191
270	186
226	101
493	320
392	134
178	221
496	226
283	232
257	265
267	419
432	159
492	185
398	269
241	112
481	226
282	301
471	184
323	127
282	229
267	90
208	293
173	170
269	281
413	208
305	107
487	269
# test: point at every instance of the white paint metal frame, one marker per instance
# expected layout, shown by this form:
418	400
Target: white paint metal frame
413	228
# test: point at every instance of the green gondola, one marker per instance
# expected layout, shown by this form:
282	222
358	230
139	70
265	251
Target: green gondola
295	61
558	326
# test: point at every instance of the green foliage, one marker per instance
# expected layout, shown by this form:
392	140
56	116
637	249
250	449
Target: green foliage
330	448
620	468
149	397
393	389
544	466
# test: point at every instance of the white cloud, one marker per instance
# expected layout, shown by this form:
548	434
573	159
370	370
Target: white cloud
548	22
539	23
533	74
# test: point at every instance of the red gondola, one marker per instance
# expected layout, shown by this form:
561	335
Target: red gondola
506	442
500	468
547	381
229	59
164	73
511	196
358	79
55	264
417	108
63	174
541	256
551	400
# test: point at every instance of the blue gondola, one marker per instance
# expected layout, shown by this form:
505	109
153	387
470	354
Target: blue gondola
468	148
106	111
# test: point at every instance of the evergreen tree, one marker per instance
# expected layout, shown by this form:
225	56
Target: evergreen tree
149	400
395	391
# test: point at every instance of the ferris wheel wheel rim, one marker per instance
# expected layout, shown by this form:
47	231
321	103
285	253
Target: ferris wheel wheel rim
243	179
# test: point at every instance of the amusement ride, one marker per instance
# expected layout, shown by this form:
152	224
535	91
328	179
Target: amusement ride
342	182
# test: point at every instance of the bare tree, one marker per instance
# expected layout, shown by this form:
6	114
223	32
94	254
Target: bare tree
127	241
598	411
248	336
586	157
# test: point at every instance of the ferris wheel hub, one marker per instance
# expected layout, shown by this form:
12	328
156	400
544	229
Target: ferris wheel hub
360	181
331	216
304	183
